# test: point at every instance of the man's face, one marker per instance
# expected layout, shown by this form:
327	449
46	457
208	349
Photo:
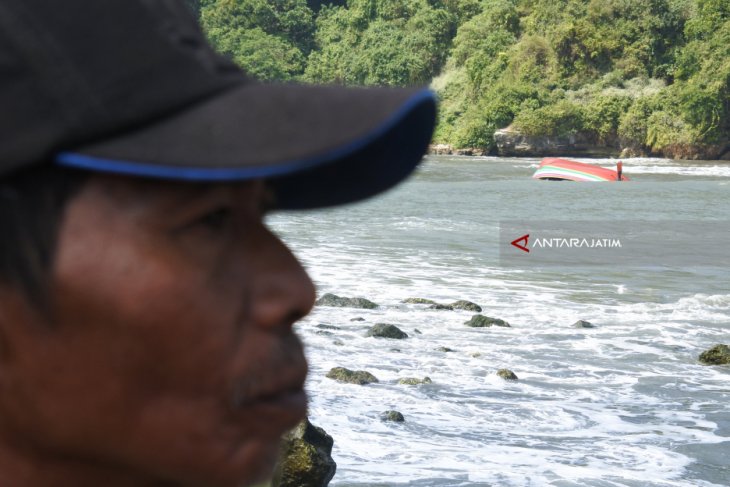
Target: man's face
169	352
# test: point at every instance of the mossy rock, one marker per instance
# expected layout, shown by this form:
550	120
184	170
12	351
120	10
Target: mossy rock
418	301
445	349
327	327
386	330
414	381
717	355
446	307
340	302
394	416
481	321
305	459
583	324
466	305
347	376
507	374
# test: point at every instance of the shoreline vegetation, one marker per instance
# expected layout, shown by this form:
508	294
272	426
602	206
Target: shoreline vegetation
590	78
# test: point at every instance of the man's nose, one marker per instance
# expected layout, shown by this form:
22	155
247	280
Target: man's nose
282	290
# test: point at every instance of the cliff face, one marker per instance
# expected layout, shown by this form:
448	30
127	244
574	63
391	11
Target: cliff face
697	152
511	143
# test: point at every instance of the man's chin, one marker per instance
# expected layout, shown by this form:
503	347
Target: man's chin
261	460
245	465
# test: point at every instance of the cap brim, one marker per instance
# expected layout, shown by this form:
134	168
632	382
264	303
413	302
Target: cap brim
318	145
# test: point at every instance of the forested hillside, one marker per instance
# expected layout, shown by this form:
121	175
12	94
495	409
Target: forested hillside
649	75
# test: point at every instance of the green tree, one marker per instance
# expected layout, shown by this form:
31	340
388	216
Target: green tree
602	116
269	38
634	123
699	100
652	74
462	10
380	42
562	118
486	34
262	55
481	43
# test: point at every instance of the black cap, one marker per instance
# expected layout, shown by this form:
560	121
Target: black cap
132	87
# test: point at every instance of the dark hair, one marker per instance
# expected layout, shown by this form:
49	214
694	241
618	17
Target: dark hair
32	204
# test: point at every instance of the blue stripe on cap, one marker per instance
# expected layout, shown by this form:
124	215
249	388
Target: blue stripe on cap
81	161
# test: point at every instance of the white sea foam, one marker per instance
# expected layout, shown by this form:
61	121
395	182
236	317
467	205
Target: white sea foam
722	171
604	406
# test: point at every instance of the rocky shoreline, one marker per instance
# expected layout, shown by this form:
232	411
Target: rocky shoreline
306	453
511	143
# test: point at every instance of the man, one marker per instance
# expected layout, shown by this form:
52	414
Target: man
146	311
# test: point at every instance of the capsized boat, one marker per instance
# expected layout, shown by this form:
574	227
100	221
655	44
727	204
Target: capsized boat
552	168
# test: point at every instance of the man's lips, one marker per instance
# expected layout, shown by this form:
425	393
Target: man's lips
294	400
255	389
273	388
283	396
277	412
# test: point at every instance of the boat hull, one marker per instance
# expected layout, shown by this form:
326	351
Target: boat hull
552	168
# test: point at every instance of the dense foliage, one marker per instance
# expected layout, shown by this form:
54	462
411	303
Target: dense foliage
650	75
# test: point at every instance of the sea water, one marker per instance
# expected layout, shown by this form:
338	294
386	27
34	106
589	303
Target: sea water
623	404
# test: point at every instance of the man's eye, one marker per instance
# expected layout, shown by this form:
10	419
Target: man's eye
216	220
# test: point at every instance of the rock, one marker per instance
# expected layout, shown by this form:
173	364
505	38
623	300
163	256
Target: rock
322	326
385	330
481	321
347	376
441	306
418	301
583	324
358	319
306	458
470	151
417	331
394	416
476	355
446	150
510	142
444	349
507	374
340	302
717	355
339	343
466	305
705	152
440	149
629	152
413	381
